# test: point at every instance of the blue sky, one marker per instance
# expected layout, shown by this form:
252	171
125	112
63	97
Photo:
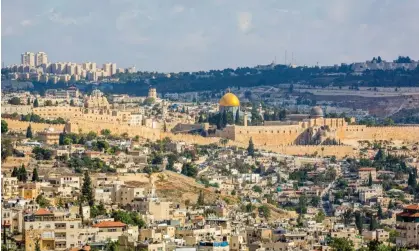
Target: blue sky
190	35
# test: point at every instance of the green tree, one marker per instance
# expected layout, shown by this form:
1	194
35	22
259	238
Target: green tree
72	102
411	181
249	207
97	210
320	216
105	132
130	218
87	190
237	118
302	205
148	101
91	136
4	126
48	103
37	247
257	189
29	134
201	199
6	149
225	120
265	211
251	148
373	223
359	221
36	103
315	201
14	172
42	201
35	177
22	174
189	170
380	156
380	212
15	101
341	244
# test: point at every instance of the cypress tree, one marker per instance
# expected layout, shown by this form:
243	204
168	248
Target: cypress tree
14	172
373	223
29	134
87	190
251	148
359	221
224	119
36	103
237	119
370	180
220	122
35	176
22	174
380	212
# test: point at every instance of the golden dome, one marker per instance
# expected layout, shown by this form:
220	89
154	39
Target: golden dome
229	99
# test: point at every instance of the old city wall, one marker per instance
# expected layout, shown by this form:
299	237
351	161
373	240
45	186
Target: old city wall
21	126
65	112
340	151
361	132
268	135
84	126
192	139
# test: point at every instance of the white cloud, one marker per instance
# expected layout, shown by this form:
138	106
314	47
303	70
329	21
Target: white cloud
26	22
244	21
178	9
57	17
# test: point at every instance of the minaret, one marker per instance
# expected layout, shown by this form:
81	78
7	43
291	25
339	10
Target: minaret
245	118
260	110
164	109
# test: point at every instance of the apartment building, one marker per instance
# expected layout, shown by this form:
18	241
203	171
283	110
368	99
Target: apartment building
41	58
407	225
10	188
28	58
53	230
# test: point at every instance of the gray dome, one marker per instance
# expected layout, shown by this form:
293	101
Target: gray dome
316	112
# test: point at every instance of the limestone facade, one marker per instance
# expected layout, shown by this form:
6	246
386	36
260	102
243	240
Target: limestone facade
315	131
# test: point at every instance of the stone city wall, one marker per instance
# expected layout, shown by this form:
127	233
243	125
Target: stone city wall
22	126
268	135
403	133
340	151
83	126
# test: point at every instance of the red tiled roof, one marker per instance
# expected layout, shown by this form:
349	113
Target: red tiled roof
412	207
107	224
42	211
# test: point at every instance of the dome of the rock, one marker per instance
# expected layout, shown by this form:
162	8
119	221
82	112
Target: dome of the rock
229	100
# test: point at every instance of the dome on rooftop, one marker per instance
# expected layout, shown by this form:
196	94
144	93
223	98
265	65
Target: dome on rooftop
229	99
316	112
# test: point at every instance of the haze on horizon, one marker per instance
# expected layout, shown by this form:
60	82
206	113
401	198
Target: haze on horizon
189	35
